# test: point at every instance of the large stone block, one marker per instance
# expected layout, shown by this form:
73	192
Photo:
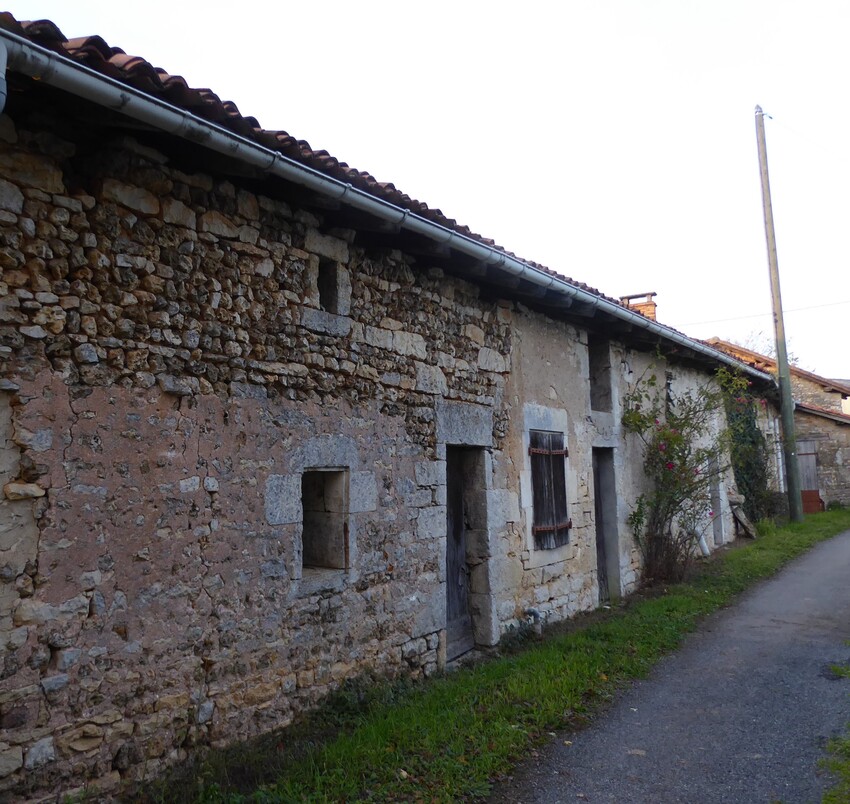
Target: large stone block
431	522
31	171
217	224
464	423
40	754
176	212
134	198
409	344
326	246
491	360
430	473
283	499
11	758
11	198
363	492
324	322
430	380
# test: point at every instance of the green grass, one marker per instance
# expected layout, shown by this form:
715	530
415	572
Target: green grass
837	763
449	738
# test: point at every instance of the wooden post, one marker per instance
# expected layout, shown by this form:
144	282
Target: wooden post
786	402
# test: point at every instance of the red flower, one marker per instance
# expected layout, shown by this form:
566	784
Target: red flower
670	465
662	447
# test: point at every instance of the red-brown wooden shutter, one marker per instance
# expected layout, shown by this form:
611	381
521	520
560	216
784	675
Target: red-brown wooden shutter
551	523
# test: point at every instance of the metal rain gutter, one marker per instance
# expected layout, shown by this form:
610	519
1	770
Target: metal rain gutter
63	73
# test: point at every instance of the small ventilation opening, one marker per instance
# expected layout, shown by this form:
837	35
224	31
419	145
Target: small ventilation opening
324	500
328	285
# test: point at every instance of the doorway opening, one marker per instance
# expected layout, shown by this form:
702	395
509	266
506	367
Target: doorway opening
607	534
466	545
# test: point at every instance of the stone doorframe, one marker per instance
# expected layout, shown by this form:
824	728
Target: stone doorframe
465	424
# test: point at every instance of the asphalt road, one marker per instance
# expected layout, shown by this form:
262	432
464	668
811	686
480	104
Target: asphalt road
740	714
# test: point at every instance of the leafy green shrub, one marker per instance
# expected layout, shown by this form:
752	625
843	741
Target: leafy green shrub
683	457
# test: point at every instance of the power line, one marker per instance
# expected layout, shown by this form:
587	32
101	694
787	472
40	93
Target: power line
764	315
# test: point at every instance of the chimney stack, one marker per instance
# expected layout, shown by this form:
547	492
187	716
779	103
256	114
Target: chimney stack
642	302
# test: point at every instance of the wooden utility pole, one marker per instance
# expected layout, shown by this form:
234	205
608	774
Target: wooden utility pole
786	402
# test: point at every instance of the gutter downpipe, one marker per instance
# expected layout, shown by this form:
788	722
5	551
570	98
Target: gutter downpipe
3	82
77	79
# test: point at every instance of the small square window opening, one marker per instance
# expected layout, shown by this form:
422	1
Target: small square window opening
324	500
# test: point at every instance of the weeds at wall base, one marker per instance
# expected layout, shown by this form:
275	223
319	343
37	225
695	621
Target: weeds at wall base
453	737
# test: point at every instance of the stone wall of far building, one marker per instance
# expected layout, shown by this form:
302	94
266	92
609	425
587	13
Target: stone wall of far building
830	441
810	392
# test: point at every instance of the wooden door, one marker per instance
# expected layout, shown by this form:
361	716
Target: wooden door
459	637
807	460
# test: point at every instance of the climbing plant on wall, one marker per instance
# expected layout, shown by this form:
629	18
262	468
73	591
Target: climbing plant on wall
748	448
689	444
685	451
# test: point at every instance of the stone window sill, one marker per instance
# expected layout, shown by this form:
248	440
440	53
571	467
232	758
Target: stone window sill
316	580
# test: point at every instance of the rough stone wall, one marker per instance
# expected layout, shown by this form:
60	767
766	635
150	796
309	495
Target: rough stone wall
169	374
812	393
832	442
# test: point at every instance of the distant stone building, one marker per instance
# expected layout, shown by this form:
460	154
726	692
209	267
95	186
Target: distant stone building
268	424
822	425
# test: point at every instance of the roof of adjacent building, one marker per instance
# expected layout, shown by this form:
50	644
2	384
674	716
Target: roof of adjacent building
817	410
768	364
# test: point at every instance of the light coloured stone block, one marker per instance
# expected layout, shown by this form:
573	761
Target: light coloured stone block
327	323
491	360
363	492
283	499
464	423
326	246
135	198
431	380
431	522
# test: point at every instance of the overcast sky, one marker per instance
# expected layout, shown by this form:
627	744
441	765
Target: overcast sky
612	140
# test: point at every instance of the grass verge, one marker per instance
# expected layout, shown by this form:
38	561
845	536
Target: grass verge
837	763
450	737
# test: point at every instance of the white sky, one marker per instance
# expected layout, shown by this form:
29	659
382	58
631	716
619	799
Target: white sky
611	140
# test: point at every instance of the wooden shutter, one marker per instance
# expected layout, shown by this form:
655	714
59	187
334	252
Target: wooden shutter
551	524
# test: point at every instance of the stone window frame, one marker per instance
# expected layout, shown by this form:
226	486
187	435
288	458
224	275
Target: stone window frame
553	420
328	302
283	506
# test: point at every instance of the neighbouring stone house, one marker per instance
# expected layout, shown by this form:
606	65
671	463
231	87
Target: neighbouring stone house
822	428
269	424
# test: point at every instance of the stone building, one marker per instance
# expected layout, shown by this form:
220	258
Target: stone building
268	424
822	425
